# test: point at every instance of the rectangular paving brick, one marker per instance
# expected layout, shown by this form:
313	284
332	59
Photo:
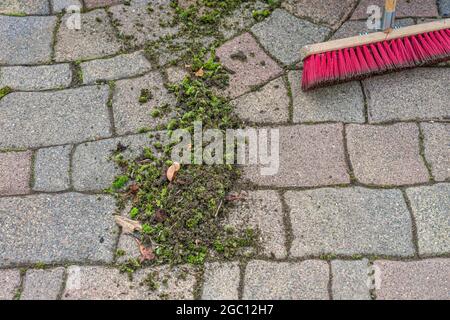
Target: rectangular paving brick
431	210
250	66
26	40
349	221
57	228
121	66
307	280
37	119
350	280
386	155
103	283
31	7
10	283
64	5
55	76
51	169
405	8
15	172
42	284
436	139
353	28
283	35
310	155
262	211
415	280
417	94
342	102
221	281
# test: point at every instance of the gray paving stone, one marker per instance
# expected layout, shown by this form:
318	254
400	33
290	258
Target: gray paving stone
418	94
444	7
63	5
103	283
51	169
431	209
342	102
129	114
350	280
36	78
176	74
128	247
386	155
349	221
15	172
42	284
10	280
26	40
262	211
415	280
283	35
307	280
270	104
122	66
100	3
309	155
139	24
353	28
35	7
37	119
57	228
404	8
221	281
95	39
437	149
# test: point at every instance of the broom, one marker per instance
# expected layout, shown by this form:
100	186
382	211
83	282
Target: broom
357	57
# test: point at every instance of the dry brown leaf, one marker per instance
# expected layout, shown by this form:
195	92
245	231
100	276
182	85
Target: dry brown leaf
134	188
172	171
128	225
200	73
160	215
146	252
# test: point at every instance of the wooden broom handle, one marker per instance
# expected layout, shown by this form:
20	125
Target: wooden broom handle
390	5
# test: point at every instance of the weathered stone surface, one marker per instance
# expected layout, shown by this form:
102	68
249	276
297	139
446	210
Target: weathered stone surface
221	281
262	211
127	248
26	40
42	284
415	280
342	102
386	155
437	148
35	119
36	78
35	7
405	8
444	7
139	24
349	221
249	64
130	115
350	280
306	280
51	169
431	209
330	12
102	283
122	66
95	39
270	104
283	35
309	155
54	230
15	172
100	3
64	5
176	74
354	28
10	280
420	93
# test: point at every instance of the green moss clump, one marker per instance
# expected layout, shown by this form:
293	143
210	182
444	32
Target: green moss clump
4	91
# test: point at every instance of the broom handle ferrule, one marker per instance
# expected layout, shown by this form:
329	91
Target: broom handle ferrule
389	14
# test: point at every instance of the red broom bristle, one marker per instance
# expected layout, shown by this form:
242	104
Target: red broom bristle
356	62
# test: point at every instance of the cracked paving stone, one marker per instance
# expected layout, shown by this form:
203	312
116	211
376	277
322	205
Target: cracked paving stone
283	35
417	94
405	8
350	280
51	169
221	281
250	66
42	284
57	228
386	155
415	280
10	283
104	283
38	119
95	39
26	40
437	149
354	28
28	7
307	280
15	173
431	209
349	221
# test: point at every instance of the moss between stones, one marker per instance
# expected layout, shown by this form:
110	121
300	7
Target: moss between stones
4	91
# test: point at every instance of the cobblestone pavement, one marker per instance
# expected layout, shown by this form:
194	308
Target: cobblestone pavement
360	208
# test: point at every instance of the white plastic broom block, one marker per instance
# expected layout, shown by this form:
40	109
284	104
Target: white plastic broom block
373	37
